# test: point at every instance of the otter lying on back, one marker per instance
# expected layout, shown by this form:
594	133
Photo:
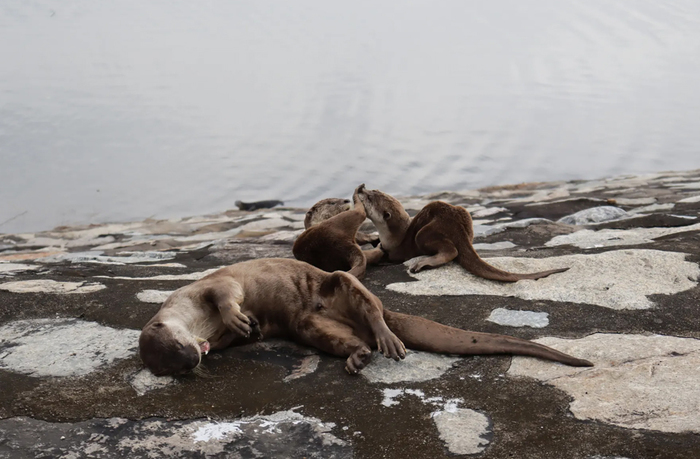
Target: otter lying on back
290	299
440	230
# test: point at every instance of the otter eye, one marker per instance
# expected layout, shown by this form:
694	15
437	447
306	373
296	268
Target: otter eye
387	215
180	345
319	306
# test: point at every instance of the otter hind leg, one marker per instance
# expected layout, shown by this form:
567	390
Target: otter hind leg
337	339
357	261
431	242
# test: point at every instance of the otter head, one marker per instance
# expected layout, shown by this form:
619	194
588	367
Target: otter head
325	209
387	214
168	348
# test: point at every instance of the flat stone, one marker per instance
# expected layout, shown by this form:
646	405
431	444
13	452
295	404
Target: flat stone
144	381
587	239
635	201
62	347
464	431
652	208
188	276
511	318
21	256
502	245
487	211
500	227
691	199
638	382
283	236
609	279
154	296
594	215
686	185
97	257
281	434
417	366
12	268
51	286
266	224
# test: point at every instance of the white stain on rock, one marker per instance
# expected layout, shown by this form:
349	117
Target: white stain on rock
638	382
609	279
464	431
417	366
512	318
51	286
308	365
594	215
587	239
62	347
154	296
144	381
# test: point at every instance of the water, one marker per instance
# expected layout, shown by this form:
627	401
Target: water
123	110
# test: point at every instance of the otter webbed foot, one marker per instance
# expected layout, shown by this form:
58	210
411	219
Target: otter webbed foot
358	360
391	346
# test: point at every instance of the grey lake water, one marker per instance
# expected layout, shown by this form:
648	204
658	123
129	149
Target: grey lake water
122	110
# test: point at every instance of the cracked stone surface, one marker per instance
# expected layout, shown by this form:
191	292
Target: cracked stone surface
81	378
510	318
586	239
62	347
51	286
417	366
608	279
594	215
639	382
281	434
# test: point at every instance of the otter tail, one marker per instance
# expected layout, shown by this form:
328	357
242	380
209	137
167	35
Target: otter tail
425	335
472	262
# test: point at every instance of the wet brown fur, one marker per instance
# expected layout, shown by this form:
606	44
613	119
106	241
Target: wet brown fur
442	231
331	241
290	299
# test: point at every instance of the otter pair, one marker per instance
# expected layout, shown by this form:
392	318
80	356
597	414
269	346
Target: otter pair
442	231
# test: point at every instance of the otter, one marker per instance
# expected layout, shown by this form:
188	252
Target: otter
440	230
285	298
331	240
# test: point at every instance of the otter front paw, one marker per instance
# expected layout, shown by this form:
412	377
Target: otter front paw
236	321
391	346
358	360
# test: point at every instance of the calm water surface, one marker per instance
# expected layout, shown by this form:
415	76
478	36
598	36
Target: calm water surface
124	110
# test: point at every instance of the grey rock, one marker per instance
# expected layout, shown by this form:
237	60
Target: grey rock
62	347
638	382
417	366
609	279
51	286
281	434
594	215
510	318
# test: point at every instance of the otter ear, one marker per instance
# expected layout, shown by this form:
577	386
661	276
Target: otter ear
387	215
332	283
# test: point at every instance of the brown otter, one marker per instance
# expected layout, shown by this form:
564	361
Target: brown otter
331	240
440	230
285	298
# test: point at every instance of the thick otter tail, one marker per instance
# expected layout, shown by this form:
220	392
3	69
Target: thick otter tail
472	262
425	335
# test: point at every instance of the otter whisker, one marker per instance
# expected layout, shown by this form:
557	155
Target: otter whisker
202	372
